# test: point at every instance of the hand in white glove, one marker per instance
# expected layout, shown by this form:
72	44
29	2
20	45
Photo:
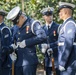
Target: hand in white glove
61	68
44	47
13	56
50	51
14	46
21	44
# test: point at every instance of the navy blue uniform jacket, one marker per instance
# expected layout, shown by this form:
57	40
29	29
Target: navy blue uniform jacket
33	35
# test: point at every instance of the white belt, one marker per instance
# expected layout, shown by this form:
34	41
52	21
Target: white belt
62	43
74	43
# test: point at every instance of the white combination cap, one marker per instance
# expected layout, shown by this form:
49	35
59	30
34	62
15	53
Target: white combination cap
65	5
3	13
14	15
47	11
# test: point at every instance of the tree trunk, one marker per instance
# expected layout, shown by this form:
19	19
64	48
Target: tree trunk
22	5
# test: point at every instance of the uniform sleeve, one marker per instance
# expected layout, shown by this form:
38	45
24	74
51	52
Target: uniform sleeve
6	36
39	37
69	35
54	45
5	41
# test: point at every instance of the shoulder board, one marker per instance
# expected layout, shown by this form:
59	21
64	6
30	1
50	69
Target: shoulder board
69	22
7	28
33	23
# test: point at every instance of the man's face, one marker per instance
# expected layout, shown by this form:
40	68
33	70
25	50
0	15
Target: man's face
62	14
1	17
48	18
20	21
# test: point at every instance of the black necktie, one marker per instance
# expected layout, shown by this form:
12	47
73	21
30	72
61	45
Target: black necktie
48	27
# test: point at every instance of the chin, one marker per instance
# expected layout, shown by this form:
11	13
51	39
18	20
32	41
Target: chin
60	18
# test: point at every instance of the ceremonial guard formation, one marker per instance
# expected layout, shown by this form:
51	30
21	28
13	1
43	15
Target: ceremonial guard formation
57	42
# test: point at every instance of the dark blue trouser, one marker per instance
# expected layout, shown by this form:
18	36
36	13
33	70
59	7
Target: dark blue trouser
6	71
49	71
26	70
0	71
0	67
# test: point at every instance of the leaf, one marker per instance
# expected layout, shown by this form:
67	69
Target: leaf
33	1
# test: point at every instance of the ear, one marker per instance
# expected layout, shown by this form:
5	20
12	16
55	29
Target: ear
66	11
22	16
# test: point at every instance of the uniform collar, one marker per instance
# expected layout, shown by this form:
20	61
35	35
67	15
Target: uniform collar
66	19
1	23
49	24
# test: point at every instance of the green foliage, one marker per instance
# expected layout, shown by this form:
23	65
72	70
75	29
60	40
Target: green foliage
40	55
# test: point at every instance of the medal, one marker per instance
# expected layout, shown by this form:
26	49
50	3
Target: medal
27	29
54	33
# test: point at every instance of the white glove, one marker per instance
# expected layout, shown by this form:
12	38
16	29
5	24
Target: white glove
61	68
13	56
44	47
50	51
14	46
21	44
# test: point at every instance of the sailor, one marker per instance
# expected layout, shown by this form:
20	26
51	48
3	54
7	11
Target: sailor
5	41
66	39
27	36
50	28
